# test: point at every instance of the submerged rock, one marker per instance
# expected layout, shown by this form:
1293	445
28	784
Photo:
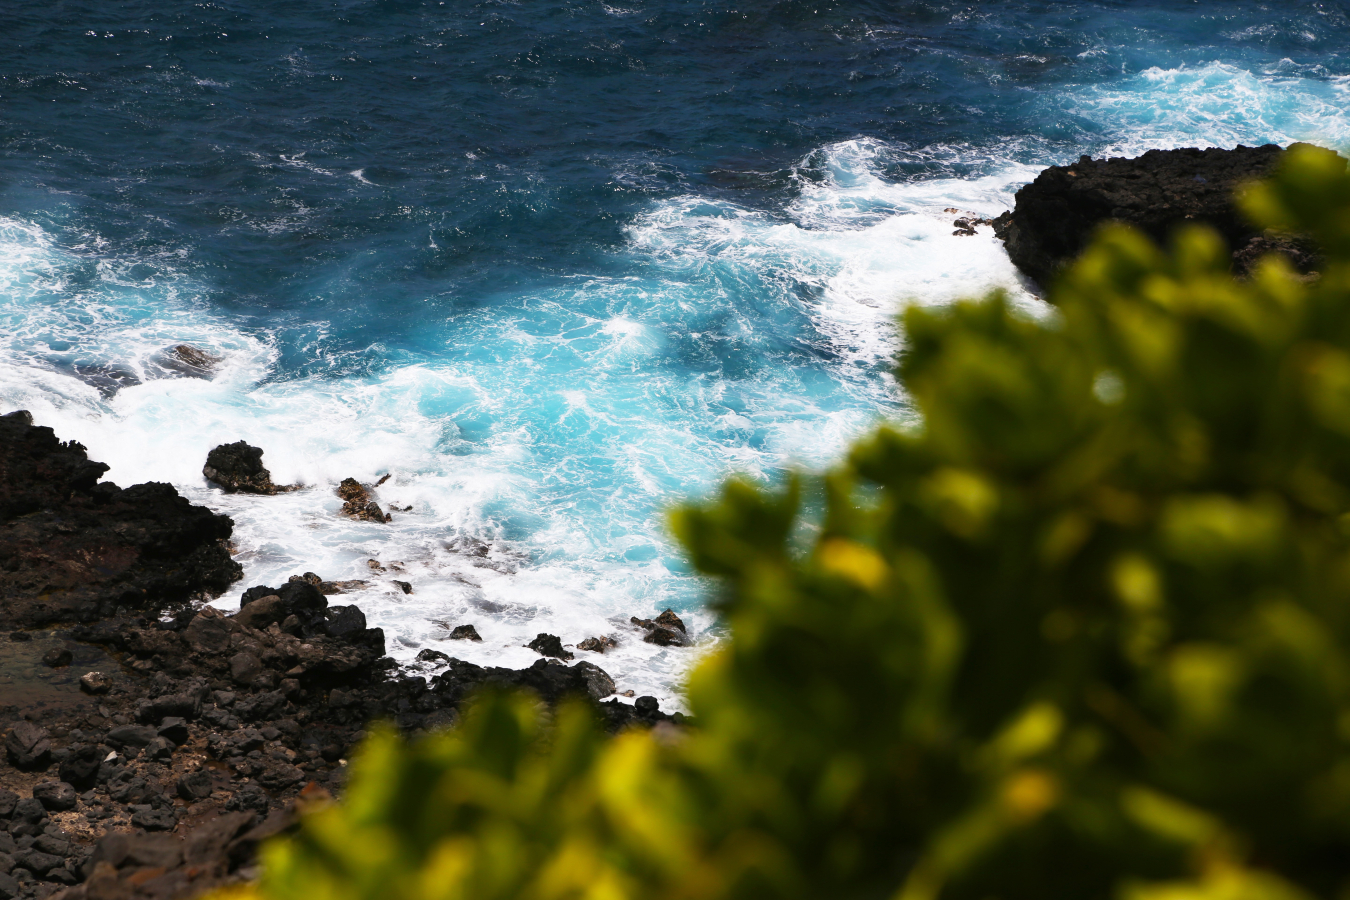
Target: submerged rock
188	360
237	469
1056	215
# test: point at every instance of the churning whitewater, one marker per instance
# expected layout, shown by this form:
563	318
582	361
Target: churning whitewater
593	263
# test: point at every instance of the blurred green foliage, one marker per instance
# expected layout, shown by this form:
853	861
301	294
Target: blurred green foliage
1082	632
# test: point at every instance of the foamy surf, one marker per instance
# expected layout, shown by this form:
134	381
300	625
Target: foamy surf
533	455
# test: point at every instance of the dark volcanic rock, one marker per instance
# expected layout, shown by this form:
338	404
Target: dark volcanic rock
57	657
549	645
27	746
666	630
238	468
598	644
357	502
80	767
464	633
56	796
73	550
1056	215
186	359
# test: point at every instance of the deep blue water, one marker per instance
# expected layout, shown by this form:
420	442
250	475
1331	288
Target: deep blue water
553	265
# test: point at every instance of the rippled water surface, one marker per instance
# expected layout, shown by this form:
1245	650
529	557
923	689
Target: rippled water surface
553	266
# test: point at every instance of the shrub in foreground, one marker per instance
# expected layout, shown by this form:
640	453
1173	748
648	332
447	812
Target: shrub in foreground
1082	632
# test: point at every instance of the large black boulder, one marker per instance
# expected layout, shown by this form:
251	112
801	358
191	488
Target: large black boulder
74	550
1055	216
238	468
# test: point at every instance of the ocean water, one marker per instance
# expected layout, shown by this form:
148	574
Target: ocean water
551	266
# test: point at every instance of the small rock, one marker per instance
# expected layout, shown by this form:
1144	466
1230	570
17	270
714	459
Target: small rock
262	612
238	468
124	736
343	620
49	843
55	796
464	633
80	767
190	360
27	746
668	619
665	637
404	586
599	684
95	683
244	666
185	706
155	820
280	776
196	785
208	632
174	728
431	656
549	645
357	502
37	862
19	637
57	658
62	876
8	800
159	748
597	644
646	705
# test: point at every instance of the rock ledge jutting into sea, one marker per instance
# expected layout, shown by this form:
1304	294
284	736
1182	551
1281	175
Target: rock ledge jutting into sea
1056	215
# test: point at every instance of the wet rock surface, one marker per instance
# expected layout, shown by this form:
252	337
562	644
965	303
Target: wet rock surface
181	736
237	469
357	502
666	630
73	549
1056	215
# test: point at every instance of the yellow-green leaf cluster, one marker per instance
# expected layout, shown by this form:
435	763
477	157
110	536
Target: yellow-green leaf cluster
1084	631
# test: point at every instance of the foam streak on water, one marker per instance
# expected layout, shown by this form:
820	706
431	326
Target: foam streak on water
538	420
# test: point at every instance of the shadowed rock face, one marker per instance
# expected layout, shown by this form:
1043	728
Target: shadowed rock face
238	468
74	550
1056	215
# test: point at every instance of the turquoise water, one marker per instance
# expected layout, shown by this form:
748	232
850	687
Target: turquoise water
553	266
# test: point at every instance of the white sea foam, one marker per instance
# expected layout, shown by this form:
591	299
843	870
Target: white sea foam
535	455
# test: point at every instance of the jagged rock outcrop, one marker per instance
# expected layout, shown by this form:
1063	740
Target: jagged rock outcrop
237	469
73	549
359	504
1056	215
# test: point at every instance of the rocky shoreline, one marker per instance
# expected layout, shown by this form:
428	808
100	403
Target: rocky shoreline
151	741
1055	216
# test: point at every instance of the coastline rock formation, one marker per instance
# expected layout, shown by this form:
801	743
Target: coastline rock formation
73	549
666	630
358	504
237	469
157	774
1056	215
